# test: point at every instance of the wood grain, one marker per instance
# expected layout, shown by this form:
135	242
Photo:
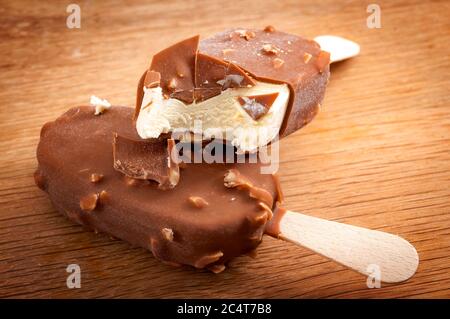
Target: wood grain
377	156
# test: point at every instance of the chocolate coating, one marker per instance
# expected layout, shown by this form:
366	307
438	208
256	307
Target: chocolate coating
200	222
266	55
278	57
176	66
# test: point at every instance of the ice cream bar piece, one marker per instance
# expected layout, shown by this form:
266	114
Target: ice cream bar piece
215	212
228	68
146	159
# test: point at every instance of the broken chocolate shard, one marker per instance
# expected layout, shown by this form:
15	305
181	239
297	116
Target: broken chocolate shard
187	96
202	94
246	80
234	179
244	34
95	177
258	105
152	79
211	72
148	159
139	96
198	202
177	59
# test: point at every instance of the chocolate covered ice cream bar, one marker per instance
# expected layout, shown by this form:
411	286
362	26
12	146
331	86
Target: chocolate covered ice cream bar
243	85
216	211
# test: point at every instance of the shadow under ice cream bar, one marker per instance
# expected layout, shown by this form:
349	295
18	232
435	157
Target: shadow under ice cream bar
245	85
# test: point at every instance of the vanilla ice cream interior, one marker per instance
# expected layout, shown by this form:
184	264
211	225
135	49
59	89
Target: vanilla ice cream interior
221	116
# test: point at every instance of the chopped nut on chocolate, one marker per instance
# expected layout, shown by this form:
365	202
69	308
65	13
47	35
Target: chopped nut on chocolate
307	57
217	268
95	178
100	105
103	196
167	234
270	49
247	35
277	63
198	201
89	203
208	259
269	29
233	178
213	73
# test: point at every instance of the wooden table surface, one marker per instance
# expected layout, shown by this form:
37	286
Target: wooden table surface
378	154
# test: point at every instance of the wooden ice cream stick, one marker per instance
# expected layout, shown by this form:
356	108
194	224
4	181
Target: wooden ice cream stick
361	249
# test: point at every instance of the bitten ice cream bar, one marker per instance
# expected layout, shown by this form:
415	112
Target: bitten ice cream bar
243	85
124	177
215	212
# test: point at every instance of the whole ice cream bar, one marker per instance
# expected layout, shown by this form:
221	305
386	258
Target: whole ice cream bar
219	80
215	212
